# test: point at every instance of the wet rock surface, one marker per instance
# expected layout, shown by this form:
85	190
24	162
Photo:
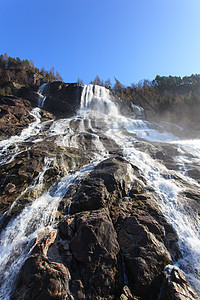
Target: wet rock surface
41	279
106	184
125	241
44	162
15	115
93	254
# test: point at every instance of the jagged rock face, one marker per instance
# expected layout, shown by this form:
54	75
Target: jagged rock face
93	250
105	185
63	100
41	279
99	250
88	247
14	116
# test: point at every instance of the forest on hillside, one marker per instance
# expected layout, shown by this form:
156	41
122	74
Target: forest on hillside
22	72
163	90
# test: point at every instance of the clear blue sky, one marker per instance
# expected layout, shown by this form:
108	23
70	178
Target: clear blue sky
128	39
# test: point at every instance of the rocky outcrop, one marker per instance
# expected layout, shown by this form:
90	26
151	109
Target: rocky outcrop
143	243
62	99
46	162
41	279
92	254
105	185
14	116
114	236
87	246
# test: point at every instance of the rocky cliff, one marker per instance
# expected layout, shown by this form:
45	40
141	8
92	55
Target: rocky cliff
89	199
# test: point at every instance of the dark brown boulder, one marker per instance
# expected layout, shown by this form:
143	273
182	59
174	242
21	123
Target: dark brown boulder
145	256
145	239
106	184
40	279
90	250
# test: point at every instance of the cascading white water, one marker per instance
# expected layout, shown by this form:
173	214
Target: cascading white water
186	225
9	147
98	115
41	97
138	110
98	99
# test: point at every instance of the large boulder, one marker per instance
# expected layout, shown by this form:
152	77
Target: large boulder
144	255
40	279
147	242
90	250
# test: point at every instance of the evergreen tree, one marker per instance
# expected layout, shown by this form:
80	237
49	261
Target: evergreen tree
118	87
97	81
107	84
31	64
80	81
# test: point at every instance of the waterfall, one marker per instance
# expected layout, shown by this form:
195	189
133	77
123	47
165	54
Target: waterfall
98	99
99	118
41	97
138	110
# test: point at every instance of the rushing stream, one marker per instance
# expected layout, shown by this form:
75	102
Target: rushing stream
99	116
